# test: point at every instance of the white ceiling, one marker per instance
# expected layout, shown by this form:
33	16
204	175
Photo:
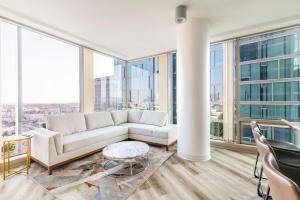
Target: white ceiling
135	28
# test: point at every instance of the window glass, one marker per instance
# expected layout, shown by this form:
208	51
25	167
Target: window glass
255	71
255	92
292	112
249	51
289	68
273	83
272	69
245	92
276	47
245	72
173	84
279	91
256	111
50	82
8	78
292	44
216	91
244	111
272	132
143	82
109	81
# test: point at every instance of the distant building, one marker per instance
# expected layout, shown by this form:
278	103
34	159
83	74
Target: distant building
269	81
110	90
143	78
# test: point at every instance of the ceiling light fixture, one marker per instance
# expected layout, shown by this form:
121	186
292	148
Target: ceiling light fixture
180	14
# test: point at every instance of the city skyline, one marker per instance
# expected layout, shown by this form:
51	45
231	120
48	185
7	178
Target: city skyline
43	56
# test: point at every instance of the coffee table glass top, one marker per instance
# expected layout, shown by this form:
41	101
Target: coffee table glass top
126	150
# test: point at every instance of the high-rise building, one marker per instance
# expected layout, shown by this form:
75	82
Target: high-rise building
143	78
269	82
110	90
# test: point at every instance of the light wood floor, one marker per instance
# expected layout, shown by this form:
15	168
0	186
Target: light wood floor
228	175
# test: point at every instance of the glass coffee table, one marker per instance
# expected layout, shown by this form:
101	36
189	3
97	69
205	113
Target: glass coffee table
133	153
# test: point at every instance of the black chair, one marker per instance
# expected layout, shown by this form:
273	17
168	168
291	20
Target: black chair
289	163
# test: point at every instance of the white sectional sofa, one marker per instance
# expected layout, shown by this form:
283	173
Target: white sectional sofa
72	136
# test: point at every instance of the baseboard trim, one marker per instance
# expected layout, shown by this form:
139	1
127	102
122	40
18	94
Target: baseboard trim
234	147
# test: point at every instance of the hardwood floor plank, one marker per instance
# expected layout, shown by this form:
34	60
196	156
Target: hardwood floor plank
156	185
227	176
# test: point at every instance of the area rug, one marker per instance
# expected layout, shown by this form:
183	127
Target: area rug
94	177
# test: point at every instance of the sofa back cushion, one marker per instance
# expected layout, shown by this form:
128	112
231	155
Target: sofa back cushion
134	116
119	116
67	123
98	120
156	118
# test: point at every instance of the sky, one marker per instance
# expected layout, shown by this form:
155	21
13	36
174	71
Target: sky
50	68
103	66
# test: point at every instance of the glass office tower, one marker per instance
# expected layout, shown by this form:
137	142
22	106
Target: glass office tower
143	84
269	83
110	89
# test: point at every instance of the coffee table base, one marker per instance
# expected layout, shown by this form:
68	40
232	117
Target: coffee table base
131	167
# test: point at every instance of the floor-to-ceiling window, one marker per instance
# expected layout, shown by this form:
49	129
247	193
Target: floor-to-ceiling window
173	87
50	78
8	78
110	83
216	90
269	83
143	83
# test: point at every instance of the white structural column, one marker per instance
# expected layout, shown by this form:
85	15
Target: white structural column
193	82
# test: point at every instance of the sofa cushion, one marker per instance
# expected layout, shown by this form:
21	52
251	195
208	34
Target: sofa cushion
66	124
98	120
134	116
142	129
156	118
83	139
119	116
165	132
150	130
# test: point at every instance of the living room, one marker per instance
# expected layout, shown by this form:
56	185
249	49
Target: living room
150	99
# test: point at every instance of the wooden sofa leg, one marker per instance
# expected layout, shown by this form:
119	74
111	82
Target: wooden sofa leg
167	147
49	171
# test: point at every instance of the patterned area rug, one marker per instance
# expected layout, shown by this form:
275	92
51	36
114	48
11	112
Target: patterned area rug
94	177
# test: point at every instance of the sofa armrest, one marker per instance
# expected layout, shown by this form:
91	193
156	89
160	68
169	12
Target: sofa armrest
46	144
172	129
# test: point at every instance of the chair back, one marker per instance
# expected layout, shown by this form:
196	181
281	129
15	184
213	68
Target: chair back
254	125
256	132
282	188
262	146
